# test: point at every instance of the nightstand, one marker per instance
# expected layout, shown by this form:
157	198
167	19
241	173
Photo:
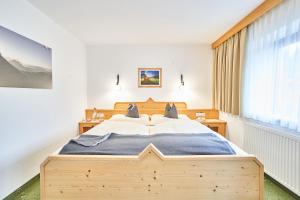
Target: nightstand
216	125
84	126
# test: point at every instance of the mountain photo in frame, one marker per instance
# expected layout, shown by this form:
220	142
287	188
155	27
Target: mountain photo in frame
149	77
24	63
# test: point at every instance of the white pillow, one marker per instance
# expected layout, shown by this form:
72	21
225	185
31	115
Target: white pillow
143	119
158	118
183	116
119	127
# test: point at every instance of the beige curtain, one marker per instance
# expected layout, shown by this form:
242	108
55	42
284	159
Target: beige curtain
228	62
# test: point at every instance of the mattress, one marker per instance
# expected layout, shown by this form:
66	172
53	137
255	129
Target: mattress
160	125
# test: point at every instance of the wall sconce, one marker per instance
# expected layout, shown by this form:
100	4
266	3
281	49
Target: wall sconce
118	86
181	80
118	79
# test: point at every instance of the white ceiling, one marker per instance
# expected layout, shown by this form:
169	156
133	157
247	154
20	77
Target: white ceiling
146	21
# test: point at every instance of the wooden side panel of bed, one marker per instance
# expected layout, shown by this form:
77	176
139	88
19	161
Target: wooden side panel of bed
153	107
151	176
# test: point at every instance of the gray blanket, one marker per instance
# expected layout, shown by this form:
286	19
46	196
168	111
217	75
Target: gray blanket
90	140
168	144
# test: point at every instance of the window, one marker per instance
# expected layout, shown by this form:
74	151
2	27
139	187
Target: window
271	77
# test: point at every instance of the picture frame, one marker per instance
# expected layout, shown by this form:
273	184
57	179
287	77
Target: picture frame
150	77
24	63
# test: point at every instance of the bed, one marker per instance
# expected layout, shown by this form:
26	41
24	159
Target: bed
150	174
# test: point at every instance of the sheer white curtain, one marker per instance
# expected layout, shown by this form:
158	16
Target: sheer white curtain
271	77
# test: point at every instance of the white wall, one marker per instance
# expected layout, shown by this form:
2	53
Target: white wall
106	61
34	122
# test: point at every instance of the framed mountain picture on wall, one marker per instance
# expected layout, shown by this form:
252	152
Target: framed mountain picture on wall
24	63
149	77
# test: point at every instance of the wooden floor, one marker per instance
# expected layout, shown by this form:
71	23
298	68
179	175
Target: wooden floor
32	192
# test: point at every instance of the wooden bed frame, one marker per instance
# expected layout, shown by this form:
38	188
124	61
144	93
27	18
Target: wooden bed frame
153	107
151	175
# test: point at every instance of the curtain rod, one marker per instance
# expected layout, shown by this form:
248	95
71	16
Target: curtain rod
250	18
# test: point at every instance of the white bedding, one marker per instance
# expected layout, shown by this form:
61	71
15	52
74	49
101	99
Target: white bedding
120	127
143	119
158	118
159	125
179	126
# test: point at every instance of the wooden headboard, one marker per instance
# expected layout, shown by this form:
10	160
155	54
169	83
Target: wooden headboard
150	104
153	107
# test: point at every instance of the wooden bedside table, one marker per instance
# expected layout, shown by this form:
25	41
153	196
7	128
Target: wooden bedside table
216	125
84	126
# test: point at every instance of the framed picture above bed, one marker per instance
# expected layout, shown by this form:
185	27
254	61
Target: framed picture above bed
150	77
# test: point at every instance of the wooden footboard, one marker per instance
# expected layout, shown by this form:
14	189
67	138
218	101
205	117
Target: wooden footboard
152	176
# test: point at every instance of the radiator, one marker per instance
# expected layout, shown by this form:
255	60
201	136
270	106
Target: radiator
279	151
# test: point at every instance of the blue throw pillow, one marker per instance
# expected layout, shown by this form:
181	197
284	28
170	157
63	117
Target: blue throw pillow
167	109
133	111
171	111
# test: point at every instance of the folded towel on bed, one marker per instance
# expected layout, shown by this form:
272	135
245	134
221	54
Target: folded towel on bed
168	144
